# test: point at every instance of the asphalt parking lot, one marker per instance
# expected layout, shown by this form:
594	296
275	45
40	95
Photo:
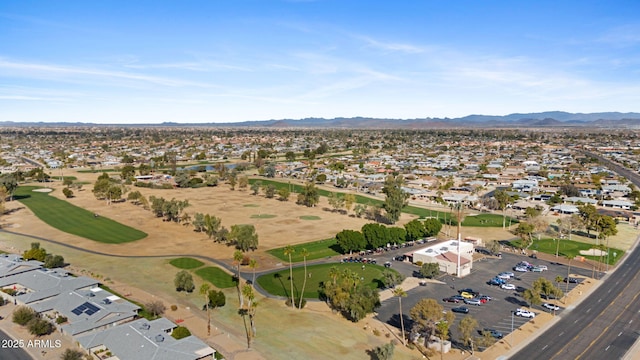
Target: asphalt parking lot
496	313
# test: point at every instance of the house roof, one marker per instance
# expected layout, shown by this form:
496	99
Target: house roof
149	340
42	284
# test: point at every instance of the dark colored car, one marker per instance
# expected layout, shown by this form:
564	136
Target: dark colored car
571	280
451	299
460	309
495	333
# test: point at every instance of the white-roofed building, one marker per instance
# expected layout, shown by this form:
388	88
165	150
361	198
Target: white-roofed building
446	255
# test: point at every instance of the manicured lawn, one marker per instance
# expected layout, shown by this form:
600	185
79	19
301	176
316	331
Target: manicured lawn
263	216
486	220
310	217
569	247
421	212
317	250
186	263
75	220
277	283
217	277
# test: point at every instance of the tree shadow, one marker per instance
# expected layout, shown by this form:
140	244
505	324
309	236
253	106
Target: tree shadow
515	300
284	288
395	321
372	354
21	197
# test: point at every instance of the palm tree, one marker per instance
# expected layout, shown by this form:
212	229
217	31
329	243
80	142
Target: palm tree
305	253
568	257
253	263
333	274
237	260
288	251
400	293
204	290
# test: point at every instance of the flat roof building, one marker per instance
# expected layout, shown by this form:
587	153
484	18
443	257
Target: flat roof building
445	254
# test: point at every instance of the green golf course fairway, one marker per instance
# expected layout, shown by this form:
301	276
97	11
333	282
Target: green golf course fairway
75	220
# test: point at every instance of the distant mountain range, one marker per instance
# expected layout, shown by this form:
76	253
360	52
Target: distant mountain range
531	120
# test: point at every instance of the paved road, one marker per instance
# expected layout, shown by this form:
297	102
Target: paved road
8	351
603	326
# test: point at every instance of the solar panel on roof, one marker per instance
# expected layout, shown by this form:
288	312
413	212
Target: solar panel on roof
91	307
76	311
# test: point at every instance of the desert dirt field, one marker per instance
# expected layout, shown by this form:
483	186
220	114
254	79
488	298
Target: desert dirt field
314	332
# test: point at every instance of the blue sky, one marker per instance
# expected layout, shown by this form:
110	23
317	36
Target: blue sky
227	61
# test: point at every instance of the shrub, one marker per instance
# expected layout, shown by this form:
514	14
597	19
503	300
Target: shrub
180	332
297	304
174	307
39	327
23	314
419	263
61	320
70	354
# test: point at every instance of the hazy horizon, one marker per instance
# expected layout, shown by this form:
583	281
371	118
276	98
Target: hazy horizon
150	62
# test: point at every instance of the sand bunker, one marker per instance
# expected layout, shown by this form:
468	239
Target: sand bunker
593	252
43	190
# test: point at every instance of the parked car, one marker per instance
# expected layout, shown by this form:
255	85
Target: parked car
525	313
504	276
520	269
537	269
495	281
451	300
469	290
460	309
467	295
571	280
387	264
485	297
508	286
551	307
460	298
473	301
495	333
543	267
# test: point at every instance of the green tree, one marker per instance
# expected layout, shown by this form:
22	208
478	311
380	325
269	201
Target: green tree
283	193
532	297
430	270
204	290
396	198
211	225
391	278
309	196
67	182
376	235
432	227
238	256
400	293
288	251
35	253
415	230
442	328
336	201
503	199
589	215
244	236
184	281
199	223
350	240
68	193
425	314
466	328
349	200
397	235
524	231
53	261
243	181
290	156
255	187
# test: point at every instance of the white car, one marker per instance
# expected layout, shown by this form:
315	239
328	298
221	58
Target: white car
525	313
508	286
551	307
504	276
520	269
541	267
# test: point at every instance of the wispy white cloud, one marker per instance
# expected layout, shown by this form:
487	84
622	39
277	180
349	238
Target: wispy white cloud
392	46
192	66
59	72
621	36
